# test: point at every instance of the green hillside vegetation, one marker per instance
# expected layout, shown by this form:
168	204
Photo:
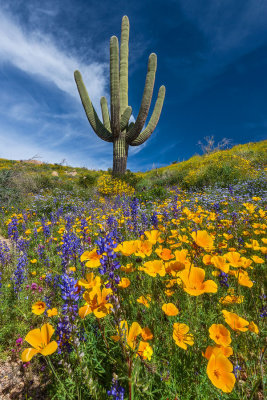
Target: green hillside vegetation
219	168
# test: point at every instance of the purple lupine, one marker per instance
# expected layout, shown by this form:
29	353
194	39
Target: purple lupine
116	391
12	229
4	254
108	263
22	245
70	249
70	295
46	229
154	220
134	206
66	326
20	273
40	251
223	279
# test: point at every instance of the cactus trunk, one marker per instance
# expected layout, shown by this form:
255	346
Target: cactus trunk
120	154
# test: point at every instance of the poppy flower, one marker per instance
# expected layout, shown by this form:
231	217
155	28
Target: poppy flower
181	256
257	259
231	299
147	334
181	336
38	308
203	239
153	268
252	327
243	278
145	300
124	283
144	248
97	303
220	334
153	236
173	267
226	351
52	312
39	340
90	282
129	336
235	322
234	259
145	350
164	253
220	263
127	248
220	372
193	280
92	258
170	309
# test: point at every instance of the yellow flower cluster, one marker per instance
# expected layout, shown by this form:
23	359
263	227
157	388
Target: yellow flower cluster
109	186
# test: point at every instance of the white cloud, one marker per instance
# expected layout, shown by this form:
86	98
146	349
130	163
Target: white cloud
14	146
36	54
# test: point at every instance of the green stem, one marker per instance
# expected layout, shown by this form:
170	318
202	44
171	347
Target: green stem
58	379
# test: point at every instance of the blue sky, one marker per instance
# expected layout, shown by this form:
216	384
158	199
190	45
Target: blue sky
212	58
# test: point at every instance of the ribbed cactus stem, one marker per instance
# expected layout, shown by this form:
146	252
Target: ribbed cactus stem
133	133
92	116
114	86
105	113
153	119
120	154
124	54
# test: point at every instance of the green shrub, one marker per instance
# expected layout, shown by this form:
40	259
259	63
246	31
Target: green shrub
87	180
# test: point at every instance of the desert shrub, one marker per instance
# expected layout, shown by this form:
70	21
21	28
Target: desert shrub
87	180
44	181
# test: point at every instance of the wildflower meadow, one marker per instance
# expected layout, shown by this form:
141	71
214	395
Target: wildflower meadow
124	294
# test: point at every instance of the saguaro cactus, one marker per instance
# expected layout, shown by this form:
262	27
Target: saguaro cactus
116	127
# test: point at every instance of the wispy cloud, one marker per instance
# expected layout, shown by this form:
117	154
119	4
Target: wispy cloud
35	53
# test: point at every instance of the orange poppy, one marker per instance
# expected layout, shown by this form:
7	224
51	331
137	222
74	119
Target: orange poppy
153	268
39	340
235	322
96	302
220	334
38	308
170	309
226	351
220	372
164	253
92	258
124	283
193	280
181	336
145	300
203	239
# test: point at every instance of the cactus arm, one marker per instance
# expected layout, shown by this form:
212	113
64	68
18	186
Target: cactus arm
114	86
105	113
124	54
153	120
125	117
130	125
133	133
92	116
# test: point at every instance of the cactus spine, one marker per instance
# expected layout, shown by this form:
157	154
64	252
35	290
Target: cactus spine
115	127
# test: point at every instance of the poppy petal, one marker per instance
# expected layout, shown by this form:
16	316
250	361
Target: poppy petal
27	354
49	349
34	338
